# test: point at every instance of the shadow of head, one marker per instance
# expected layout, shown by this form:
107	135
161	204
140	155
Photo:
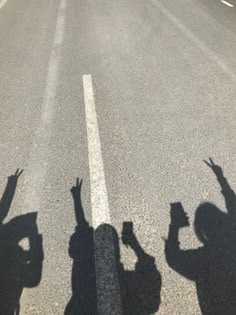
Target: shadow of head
107	235
211	224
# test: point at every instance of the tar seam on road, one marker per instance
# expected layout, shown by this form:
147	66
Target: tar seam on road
211	55
108	290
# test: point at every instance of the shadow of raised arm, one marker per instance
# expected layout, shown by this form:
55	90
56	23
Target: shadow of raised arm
140	287
185	262
8	194
227	191
79	211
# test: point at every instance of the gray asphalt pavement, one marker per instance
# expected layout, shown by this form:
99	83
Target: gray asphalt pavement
129	96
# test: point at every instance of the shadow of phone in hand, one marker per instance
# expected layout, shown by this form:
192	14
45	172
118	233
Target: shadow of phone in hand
212	265
139	288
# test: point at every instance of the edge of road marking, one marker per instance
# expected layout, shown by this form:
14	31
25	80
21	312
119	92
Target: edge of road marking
99	198
211	55
227	3
108	290
2	3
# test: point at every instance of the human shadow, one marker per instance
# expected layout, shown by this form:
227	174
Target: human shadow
213	265
139	288
81	250
19	268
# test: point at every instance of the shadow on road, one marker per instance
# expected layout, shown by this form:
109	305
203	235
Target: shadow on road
19	268
213	265
140	288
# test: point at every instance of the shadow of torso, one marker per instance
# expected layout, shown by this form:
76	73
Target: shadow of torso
81	249
140	288
19	268
213	266
216	276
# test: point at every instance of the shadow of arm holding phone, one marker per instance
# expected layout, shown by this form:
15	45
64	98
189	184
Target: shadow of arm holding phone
184	262
212	265
140	288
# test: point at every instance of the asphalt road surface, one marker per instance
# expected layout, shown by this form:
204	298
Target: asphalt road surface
108	110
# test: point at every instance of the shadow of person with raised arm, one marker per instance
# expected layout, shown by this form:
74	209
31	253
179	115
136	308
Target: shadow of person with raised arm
139	289
19	268
213	265
81	250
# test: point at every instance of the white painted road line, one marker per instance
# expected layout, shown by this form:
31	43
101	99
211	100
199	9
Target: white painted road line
38	156
198	42
2	3
100	206
37	169
227	3
108	291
